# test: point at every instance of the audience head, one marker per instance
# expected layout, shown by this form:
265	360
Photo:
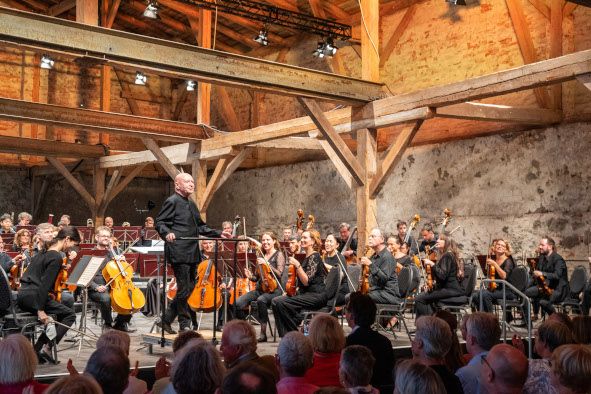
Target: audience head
412	377
326	334
18	360
197	369
294	354
248	378
562	317
109	366
482	332
361	310
432	339
356	366
582	330
504	370
183	338
454	359
74	384
571	369
551	334
116	338
239	338
24	219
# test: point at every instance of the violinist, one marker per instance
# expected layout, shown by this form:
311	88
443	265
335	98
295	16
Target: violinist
401	258
179	217
276	260
37	283
344	233
429	237
6	262
445	273
287	233
98	291
294	244
311	294
332	260
402	227
383	281
552	267
503	264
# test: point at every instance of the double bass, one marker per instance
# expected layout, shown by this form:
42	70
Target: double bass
125	297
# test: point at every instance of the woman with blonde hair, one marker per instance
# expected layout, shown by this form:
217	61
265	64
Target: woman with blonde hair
75	384
571	368
18	363
311	293
413	377
328	340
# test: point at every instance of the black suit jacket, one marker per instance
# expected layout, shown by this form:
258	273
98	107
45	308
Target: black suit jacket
179	215
554	269
381	348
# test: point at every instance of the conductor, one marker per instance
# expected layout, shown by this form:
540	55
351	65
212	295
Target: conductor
179	217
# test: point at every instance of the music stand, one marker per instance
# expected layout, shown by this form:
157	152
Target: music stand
81	276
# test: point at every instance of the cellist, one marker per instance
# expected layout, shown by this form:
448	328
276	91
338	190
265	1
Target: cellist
36	284
98	290
275	260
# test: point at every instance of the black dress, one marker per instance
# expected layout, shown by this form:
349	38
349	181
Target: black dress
36	283
492	297
311	297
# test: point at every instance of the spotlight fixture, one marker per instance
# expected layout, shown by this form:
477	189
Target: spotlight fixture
325	48
456	2
151	10
263	37
140	78
47	62
191	85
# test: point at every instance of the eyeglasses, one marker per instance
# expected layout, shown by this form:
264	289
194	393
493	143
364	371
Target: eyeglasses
483	360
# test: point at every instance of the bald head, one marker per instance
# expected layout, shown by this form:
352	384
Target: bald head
184	184
506	371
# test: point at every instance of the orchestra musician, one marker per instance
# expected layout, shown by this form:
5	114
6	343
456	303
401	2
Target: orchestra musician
98	290
402	226
446	272
383	281
23	244
109	222
287	234
6	224
429	237
552	267
402	260
38	281
333	259
276	260
7	262
344	233
179	217
294	244
311	293
503	263
24	219
148	225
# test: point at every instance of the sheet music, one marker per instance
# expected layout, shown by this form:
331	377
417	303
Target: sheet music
91	269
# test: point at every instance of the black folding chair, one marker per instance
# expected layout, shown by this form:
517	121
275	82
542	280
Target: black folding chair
461	304
577	283
388	311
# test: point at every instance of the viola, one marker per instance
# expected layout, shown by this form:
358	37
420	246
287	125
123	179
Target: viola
205	297
125	297
364	278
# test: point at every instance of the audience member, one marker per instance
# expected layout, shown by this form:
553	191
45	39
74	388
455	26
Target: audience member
248	378
562	317
356	368
413	377
504	371
431	343
196	369
360	313
239	344
582	330
18	363
328	340
454	359
551	334
294	358
24	219
571	369
482	333
75	384
110	368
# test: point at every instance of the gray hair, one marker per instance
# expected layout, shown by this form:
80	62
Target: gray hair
23	215
435	335
116	338
18	360
44	226
295	354
412	377
344	225
484	327
356	366
241	333
5	216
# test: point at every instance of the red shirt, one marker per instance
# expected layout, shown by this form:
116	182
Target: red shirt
325	370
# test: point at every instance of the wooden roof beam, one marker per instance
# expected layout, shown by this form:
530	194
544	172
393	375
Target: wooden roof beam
36	147
62	7
499	113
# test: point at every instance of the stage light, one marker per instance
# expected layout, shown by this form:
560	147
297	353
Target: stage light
325	48
47	62
456	2
151	10
191	85
140	78
263	37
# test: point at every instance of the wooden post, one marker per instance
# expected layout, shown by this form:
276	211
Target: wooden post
98	175
199	170
204	89
556	45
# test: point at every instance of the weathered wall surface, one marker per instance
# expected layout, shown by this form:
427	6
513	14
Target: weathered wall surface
519	186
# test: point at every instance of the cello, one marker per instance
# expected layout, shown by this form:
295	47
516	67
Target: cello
125	297
202	297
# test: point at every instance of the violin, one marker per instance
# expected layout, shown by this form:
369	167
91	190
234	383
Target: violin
540	280
364	278
291	286
125	297
268	283
60	282
204	297
350	259
491	272
428	270
16	273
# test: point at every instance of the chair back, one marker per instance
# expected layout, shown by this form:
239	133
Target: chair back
469	281
405	282
354	271
519	278
5	292
332	282
578	280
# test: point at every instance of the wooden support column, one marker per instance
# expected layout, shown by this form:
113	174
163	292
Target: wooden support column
98	178
204	89
223	169
163	160
199	171
556	45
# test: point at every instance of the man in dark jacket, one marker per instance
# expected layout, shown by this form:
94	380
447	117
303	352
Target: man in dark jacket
178	218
